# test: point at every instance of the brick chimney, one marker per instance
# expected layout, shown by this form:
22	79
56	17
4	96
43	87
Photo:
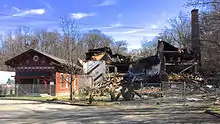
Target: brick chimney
194	29
195	40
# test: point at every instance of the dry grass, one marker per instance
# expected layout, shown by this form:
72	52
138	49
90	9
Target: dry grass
77	100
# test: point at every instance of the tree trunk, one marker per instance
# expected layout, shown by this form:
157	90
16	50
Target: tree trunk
71	86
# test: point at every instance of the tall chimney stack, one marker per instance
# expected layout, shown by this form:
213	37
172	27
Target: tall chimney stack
195	40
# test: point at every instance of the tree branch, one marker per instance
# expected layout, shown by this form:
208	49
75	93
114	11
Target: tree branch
211	41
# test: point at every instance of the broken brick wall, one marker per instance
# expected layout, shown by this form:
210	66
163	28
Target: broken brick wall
210	58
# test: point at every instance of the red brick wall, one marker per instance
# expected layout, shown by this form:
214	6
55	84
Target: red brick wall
61	89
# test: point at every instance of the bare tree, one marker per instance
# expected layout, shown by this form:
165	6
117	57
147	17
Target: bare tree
120	47
148	48
95	39
71	42
197	3
209	19
180	32
209	35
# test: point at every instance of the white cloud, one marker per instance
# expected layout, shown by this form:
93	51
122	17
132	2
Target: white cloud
81	15
146	34
5	29
116	25
133	37
134	31
166	16
10	24
48	6
112	26
16	9
133	42
119	15
30	12
107	3
154	26
130	32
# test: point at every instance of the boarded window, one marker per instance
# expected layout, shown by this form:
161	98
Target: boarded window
62	80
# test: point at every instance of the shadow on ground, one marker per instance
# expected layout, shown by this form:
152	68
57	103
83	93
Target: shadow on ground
91	114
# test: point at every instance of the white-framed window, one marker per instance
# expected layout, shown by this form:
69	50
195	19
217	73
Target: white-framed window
67	80
62	80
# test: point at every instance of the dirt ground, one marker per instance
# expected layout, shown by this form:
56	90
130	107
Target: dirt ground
154	111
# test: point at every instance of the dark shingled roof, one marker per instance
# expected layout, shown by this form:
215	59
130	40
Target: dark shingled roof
57	59
62	61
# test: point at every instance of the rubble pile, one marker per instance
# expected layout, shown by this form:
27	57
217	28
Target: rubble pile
151	89
127	68
127	75
184	77
217	102
193	83
110	85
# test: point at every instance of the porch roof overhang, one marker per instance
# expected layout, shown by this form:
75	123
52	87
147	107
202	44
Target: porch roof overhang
28	77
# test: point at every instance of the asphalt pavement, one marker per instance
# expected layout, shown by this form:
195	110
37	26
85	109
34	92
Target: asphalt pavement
30	112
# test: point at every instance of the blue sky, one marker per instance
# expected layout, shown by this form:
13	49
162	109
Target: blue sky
150	16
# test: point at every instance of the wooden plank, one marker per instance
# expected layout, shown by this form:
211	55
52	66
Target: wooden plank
171	52
190	63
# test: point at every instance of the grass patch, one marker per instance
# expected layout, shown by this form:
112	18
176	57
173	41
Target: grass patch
215	109
77	100
37	98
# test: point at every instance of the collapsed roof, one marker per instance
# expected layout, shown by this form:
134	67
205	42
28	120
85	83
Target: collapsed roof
122	62
105	54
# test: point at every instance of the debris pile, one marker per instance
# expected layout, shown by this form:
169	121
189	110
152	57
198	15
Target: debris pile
126	75
217	102
148	90
185	77
123	70
111	86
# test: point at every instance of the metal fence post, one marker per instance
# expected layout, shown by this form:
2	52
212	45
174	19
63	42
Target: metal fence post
50	90
17	90
161	94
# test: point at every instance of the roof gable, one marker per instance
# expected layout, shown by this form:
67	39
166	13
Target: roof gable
57	59
53	58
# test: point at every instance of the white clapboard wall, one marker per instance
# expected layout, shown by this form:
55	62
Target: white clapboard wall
97	69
